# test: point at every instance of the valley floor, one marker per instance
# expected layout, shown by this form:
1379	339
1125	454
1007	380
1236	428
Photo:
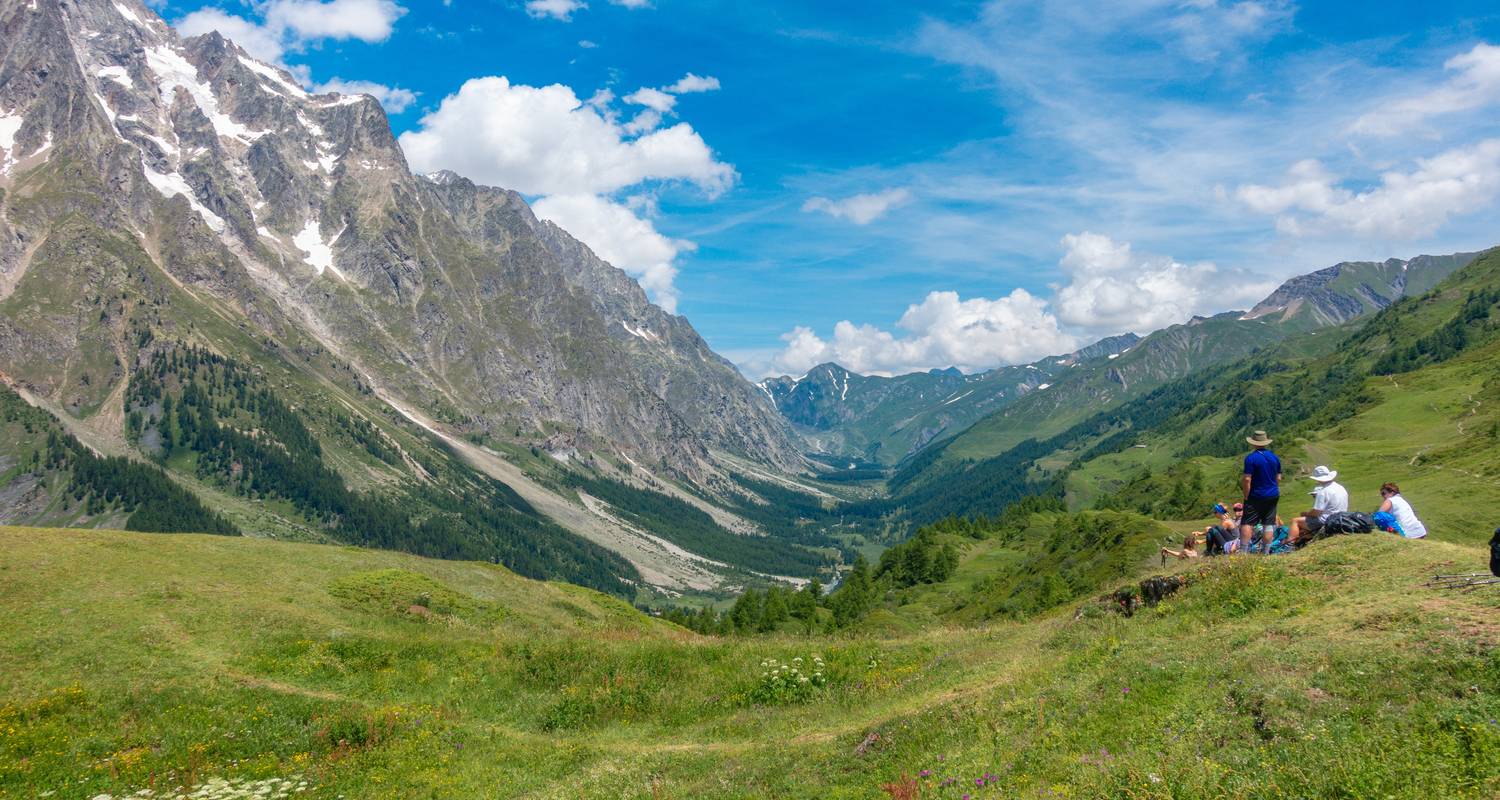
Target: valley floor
162	664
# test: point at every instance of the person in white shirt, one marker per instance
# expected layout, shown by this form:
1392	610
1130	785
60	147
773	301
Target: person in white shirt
1330	497
1396	505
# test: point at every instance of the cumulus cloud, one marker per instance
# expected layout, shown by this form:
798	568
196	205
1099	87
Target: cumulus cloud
861	209
545	141
690	83
556	9
1111	289
310	20
660	103
617	235
394	98
575	156
654	99
941	331
1405	205
1475	84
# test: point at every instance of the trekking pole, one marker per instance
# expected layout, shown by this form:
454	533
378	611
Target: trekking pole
1465	584
1462	575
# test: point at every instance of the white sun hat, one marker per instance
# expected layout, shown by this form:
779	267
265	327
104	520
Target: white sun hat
1322	474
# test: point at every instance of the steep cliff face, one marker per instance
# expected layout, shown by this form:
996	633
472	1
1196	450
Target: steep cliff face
134	163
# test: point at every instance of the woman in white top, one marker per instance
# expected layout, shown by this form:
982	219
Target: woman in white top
1396	505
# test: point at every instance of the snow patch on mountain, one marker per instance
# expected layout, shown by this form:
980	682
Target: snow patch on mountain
269	73
117	74
128	14
174	71
172	184
319	253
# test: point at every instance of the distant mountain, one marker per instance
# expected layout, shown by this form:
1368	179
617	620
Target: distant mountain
201	262
1333	296
886	419
1339	293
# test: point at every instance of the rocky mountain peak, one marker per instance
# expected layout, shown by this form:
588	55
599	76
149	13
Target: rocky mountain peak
296	214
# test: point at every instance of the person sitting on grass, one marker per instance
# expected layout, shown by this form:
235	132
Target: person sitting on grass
1261	483
1396	505
1224	538
1330	497
1189	548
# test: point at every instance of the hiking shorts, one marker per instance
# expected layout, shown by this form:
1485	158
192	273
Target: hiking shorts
1312	524
1260	511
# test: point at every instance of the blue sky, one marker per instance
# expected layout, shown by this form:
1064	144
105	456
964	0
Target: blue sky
899	186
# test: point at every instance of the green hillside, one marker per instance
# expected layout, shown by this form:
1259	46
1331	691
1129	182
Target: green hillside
168	663
1297	390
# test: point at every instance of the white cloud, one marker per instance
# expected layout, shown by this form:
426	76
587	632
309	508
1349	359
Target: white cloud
310	20
587	44
1404	206
691	83
940	331
1112	289
556	9
861	209
654	99
573	155
618	236
545	141
394	98
1475	85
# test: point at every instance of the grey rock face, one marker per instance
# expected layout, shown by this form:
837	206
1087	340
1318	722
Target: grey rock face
295	215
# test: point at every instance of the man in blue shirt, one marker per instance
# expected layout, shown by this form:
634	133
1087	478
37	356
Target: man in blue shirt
1262	486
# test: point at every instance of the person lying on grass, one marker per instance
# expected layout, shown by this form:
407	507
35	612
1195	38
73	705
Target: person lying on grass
1189	548
1330	497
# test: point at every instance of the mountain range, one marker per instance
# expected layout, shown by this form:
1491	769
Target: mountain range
887	420
233	295
161	197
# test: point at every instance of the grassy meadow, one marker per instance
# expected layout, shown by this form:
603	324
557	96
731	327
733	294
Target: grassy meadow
208	666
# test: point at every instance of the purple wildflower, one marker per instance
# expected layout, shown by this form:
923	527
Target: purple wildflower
926	773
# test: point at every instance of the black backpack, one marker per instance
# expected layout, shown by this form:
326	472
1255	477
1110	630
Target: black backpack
1495	553
1348	522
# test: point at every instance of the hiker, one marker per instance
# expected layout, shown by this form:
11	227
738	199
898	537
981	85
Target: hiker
1329	498
1261	483
1396	505
1224	538
1189	548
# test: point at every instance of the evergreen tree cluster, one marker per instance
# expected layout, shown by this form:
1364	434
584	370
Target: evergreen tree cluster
155	503
1178	492
1446	342
226	421
928	557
